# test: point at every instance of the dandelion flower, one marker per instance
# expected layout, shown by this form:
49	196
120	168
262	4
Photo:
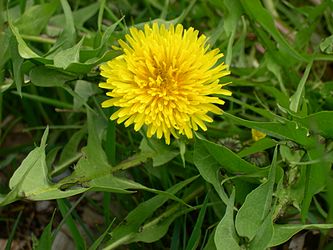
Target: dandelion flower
257	135
165	80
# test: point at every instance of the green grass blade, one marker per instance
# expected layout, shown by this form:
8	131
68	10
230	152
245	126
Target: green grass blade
12	233
46	100
66	214
298	97
196	233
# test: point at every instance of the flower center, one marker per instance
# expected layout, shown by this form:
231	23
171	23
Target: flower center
162	81
163	78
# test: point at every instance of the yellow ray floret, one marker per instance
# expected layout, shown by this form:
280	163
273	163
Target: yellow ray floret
165	80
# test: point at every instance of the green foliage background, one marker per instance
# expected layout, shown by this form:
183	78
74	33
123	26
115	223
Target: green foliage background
221	190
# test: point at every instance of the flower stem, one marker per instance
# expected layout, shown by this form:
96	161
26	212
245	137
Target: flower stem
39	39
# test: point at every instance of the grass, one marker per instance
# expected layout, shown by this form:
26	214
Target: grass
115	188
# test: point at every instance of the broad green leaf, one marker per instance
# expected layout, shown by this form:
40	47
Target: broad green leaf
94	161
225	237
285	129
30	179
24	50
249	223
84	89
46	77
209	169
156	231
157	228
258	146
326	46
110	183
133	226
32	173
264	234
158	151
316	176
92	173
229	160
68	56
209	158
295	192
88	58
283	233
85	67
56	191
10	197
102	181
94	150
321	122
34	19
289	155
91	57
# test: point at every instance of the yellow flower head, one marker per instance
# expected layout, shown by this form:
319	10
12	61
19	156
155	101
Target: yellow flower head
164	80
257	135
